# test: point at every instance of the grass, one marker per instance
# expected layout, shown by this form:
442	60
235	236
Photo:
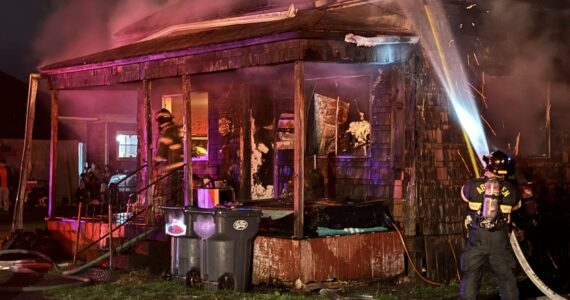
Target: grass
143	285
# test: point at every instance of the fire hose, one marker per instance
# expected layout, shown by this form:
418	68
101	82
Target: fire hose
69	274
78	280
410	257
119	249
529	272
518	254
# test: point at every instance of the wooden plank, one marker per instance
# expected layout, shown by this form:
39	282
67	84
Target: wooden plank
187	125
299	150
147	89
320	260
275	260
53	153
377	263
355	252
18	219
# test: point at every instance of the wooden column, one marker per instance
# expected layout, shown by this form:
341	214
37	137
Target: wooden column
53	153
147	87
18	220
187	123
245	144
299	151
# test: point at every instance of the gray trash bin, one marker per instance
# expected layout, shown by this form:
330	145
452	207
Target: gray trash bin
228	256
186	244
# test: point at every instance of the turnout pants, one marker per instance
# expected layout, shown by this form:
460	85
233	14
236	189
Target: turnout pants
488	245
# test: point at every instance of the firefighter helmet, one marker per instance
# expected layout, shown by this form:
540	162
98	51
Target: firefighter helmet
163	116
499	163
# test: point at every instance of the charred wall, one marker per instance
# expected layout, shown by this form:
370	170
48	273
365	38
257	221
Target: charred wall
435	169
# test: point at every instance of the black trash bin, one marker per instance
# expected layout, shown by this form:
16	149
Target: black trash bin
229	250
186	245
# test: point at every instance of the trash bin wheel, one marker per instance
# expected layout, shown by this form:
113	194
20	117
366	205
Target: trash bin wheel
226	282
193	278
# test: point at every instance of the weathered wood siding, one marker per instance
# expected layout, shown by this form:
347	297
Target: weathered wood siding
433	209
232	58
351	257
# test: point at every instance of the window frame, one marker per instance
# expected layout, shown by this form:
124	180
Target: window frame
118	143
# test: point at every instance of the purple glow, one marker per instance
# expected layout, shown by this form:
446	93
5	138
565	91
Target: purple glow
204	226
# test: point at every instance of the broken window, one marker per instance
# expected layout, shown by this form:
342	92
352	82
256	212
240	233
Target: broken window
340	114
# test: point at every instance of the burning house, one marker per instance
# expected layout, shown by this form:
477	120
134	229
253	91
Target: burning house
332	110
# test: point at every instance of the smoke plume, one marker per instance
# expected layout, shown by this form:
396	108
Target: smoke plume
525	45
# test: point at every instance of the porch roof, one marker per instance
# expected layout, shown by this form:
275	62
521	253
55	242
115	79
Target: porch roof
365	20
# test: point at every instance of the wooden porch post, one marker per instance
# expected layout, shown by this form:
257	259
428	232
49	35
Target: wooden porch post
187	124
18	219
53	153
147	87
299	151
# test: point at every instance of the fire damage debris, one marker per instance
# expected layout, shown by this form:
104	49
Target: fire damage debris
324	219
261	152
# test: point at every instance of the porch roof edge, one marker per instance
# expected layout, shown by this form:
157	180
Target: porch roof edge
54	69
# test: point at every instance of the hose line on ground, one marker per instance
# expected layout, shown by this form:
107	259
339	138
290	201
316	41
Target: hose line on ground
529	272
411	260
457	273
78	280
105	256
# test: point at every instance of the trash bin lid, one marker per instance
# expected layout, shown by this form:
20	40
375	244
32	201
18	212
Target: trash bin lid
171	208
197	210
237	212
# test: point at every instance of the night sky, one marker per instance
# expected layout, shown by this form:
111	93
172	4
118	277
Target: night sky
20	22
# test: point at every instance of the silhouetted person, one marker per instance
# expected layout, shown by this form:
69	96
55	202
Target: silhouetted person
491	199
169	156
5	185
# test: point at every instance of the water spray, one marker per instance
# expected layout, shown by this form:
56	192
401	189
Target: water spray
462	102
446	65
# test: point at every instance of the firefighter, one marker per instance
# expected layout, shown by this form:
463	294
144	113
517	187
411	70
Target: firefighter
491	199
169	155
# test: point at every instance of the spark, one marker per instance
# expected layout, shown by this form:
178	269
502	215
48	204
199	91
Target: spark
460	25
478	92
476	59
471	6
489	125
517	143
450	42
464	162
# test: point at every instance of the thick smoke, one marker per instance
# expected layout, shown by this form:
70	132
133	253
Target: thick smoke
525	44
81	27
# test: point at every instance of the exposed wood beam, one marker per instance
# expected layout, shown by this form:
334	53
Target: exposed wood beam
299	151
53	153
187	123
147	89
291	12
18	219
